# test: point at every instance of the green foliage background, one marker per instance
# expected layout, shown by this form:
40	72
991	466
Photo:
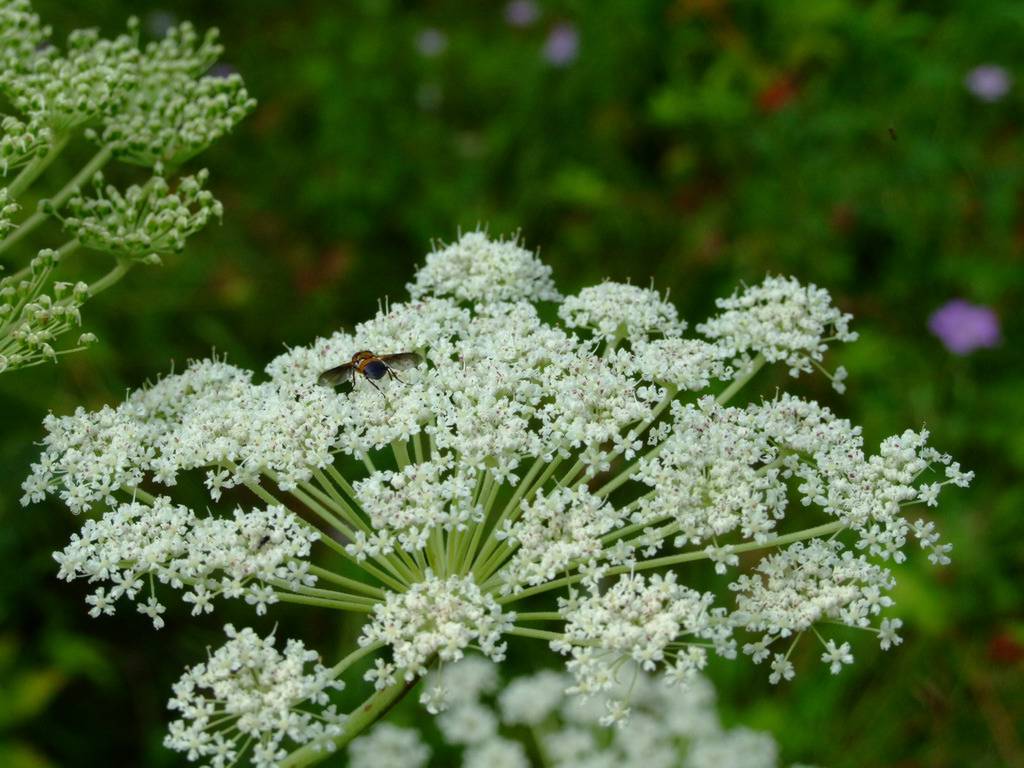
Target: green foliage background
699	143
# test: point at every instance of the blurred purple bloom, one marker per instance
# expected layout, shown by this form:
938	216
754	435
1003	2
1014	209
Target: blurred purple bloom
562	45
989	82
521	13
221	69
964	327
159	22
431	42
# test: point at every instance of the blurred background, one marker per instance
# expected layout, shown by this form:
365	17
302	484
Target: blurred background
872	147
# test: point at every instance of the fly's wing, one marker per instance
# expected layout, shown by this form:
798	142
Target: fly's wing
336	376
402	360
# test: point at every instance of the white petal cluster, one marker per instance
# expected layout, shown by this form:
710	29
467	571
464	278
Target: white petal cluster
477	269
686	364
405	507
649	621
237	557
210	416
143	222
616	311
439	617
867	493
780	319
805	583
388	746
671	727
555	532
714	476
174	113
247	701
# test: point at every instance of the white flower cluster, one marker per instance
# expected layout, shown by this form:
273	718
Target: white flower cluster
207	417
615	311
672	727
405	507
476	268
173	113
511	457
555	531
243	556
388	746
651	622
248	699
143	222
435	617
782	320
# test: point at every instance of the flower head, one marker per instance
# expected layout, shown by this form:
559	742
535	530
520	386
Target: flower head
562	45
516	456
964	327
988	82
476	268
250	695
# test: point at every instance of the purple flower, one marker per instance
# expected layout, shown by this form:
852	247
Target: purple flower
989	82
222	69
521	13
431	42
563	44
964	327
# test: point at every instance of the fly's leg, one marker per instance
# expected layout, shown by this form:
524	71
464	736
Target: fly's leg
393	375
379	390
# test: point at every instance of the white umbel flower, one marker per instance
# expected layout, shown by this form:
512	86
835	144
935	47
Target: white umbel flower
249	695
780	319
476	268
235	557
509	458
615	311
439	617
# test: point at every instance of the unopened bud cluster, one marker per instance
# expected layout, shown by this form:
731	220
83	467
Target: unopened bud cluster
143	222
152	105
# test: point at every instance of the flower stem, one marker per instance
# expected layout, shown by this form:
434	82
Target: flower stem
323	602
684	557
36	166
369	712
357	586
30	224
740	381
536	634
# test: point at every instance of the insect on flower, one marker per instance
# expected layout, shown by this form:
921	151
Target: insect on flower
373	367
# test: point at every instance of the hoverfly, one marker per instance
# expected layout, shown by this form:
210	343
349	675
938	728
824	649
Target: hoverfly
371	366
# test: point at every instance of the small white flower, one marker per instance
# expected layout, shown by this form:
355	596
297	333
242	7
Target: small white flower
836	656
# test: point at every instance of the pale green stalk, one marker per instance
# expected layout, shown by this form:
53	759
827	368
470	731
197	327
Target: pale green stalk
361	718
684	557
